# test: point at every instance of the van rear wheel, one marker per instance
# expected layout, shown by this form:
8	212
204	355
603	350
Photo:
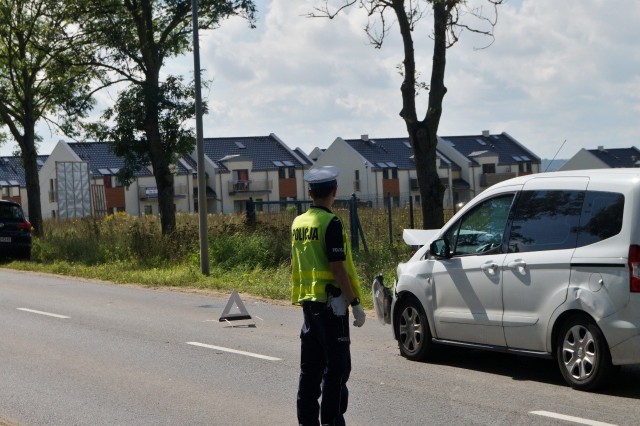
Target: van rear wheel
583	354
414	335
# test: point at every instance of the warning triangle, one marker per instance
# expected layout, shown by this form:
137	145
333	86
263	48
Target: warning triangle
241	315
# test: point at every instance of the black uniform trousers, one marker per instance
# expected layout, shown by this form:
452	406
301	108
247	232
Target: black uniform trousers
325	364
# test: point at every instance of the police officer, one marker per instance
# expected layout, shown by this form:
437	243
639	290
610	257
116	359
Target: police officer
325	283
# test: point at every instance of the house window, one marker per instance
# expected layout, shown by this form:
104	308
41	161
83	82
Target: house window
390	173
488	168
148	209
286	172
241	175
524	167
116	182
357	174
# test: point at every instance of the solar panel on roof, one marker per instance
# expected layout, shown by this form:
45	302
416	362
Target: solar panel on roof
481	142
288	163
240	145
278	163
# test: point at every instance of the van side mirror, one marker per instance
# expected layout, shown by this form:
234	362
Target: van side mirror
440	249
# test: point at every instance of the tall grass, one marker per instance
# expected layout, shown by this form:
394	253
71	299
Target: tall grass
250	258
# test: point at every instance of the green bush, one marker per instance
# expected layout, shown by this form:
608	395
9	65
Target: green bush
253	259
262	247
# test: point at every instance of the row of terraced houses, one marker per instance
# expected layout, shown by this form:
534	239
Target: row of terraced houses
80	179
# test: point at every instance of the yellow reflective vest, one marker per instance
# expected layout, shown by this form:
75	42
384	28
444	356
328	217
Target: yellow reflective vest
310	272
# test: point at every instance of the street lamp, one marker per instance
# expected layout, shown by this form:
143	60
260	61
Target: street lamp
202	180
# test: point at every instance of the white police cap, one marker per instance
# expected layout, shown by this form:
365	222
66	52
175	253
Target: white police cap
322	177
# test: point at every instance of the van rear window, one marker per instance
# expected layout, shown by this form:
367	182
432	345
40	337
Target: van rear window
546	220
601	217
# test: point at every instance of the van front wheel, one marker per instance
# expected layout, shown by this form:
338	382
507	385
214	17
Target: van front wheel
583	354
414	335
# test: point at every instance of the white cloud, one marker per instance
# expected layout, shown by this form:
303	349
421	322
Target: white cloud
557	70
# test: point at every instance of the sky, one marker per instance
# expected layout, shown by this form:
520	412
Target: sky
559	76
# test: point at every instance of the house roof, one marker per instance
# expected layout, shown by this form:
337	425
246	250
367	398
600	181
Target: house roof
266	152
101	160
392	152
12	171
304	157
618	157
508	150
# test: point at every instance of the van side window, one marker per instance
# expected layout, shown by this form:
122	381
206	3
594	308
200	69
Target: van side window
601	217
481	229
546	220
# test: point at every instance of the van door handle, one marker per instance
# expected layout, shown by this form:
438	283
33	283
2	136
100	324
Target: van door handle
519	264
489	267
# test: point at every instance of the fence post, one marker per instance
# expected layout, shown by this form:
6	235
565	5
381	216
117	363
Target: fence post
353	226
251	212
389	215
411	211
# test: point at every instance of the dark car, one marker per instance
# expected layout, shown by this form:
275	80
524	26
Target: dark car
15	231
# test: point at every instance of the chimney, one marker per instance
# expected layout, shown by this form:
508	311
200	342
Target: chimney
600	148
486	133
364	137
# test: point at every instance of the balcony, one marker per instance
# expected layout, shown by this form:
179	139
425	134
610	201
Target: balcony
151	192
249	186
488	179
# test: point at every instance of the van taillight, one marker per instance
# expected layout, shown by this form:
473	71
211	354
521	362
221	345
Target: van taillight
634	268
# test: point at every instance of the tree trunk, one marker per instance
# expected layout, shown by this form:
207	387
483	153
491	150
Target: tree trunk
424	140
29	157
160	160
423	134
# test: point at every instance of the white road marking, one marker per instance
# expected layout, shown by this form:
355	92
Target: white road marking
570	418
234	351
49	314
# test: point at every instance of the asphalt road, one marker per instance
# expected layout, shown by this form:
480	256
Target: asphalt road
78	352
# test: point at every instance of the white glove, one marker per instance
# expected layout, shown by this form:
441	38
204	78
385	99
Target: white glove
338	305
359	315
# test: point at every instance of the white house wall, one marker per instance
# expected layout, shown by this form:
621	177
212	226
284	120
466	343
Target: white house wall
584	160
348	160
61	152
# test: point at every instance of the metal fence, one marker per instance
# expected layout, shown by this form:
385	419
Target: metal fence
367	224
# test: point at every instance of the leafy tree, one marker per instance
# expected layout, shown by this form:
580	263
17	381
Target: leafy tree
135	37
449	21
39	79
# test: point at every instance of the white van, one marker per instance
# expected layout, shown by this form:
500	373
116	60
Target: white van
543	265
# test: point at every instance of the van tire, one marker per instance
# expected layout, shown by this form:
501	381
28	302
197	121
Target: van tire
412	329
583	354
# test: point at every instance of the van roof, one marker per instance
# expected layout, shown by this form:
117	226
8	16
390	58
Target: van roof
613	174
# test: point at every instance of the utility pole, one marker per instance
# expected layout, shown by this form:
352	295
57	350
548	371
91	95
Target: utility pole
202	182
